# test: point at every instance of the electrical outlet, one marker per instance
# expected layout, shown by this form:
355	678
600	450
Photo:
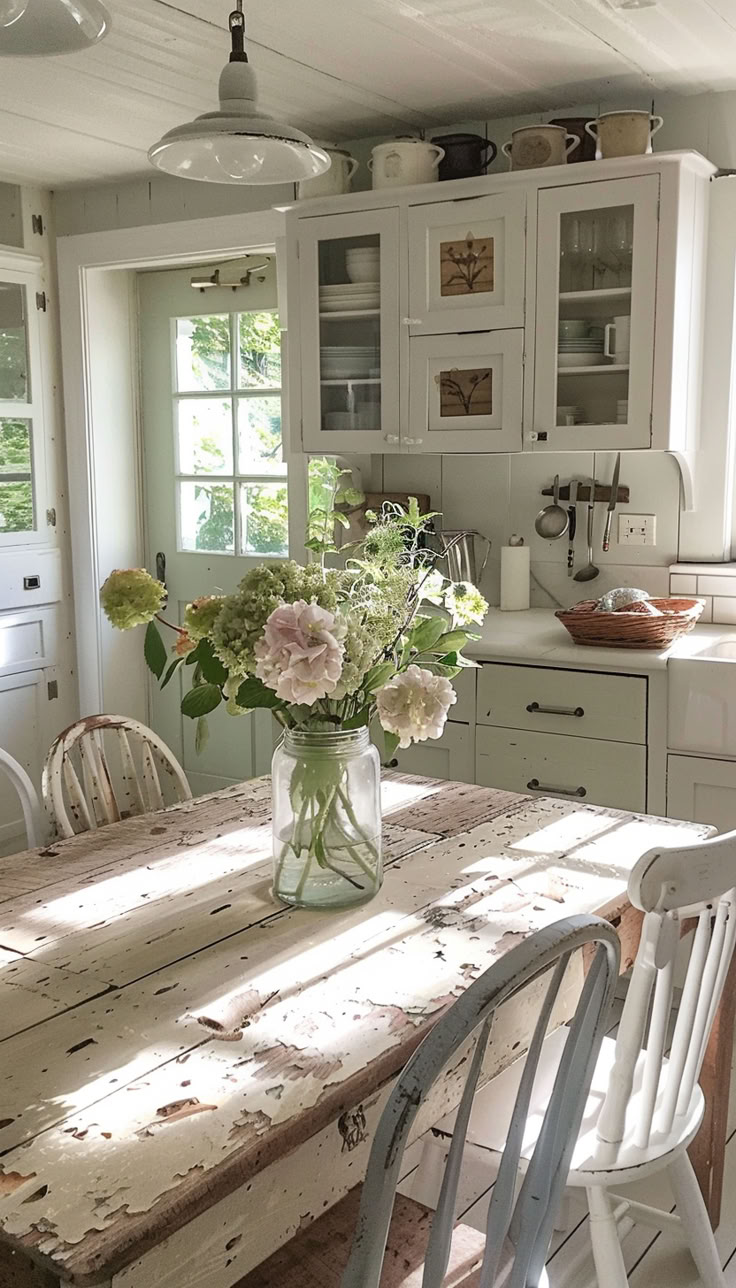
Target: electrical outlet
637	530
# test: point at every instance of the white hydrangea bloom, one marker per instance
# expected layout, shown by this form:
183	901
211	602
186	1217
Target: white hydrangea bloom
414	705
466	603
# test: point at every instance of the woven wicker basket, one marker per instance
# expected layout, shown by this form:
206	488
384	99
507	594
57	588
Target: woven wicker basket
632	629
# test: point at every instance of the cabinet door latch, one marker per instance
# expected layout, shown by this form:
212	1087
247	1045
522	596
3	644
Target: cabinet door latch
41	301
37	224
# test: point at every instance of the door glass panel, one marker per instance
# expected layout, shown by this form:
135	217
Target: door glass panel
205	435
350	333
597	256
16	477
259	340
14	383
265	528
203	352
260	447
206	516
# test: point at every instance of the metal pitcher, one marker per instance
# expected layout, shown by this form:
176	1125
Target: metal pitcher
459	551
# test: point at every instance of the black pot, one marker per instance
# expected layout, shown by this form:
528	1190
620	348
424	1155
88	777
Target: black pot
576	125
464	155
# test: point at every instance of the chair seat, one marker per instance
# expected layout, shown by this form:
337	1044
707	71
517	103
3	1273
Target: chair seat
317	1256
591	1163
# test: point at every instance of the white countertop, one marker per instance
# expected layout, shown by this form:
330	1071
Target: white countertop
537	636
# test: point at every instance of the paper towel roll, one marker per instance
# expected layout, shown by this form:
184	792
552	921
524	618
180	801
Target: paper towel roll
514	577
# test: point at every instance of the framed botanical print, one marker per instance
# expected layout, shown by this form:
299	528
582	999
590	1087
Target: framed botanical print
465	392
466	264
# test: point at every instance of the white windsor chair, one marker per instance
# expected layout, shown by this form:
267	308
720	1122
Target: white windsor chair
398	1243
645	1107
111	778
29	802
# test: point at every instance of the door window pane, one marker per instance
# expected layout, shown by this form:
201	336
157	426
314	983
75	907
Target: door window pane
13	343
265	528
205	432
206	517
203	352
16	479
15	446
260	448
260	350
16	507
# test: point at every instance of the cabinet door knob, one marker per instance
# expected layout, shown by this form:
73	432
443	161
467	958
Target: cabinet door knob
412	321
391	438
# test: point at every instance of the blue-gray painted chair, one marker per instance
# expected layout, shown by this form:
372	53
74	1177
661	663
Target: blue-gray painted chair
397	1243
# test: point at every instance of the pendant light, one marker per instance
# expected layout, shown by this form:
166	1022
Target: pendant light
43	27
236	144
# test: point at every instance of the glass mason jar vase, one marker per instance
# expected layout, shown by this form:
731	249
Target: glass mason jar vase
326	819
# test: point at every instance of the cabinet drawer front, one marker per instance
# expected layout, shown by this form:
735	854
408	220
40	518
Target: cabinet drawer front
583	704
599	773
450	756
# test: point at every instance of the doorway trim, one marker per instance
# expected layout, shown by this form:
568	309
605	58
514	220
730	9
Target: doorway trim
85	262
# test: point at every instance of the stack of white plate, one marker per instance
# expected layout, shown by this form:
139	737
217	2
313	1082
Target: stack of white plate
581	351
349	296
347	362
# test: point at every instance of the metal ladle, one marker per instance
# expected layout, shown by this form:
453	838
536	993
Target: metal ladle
551	522
590	572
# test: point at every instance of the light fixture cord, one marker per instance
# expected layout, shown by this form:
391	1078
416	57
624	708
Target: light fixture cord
237	34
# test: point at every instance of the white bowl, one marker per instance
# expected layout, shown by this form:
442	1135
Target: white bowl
579	360
363	273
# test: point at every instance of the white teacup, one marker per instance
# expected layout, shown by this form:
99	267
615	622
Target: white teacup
617	339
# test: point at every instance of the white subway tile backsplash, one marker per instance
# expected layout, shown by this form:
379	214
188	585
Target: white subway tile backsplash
683	584
724	610
717	586
707	614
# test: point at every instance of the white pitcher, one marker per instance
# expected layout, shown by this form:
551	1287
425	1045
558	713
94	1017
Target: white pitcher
334	181
404	161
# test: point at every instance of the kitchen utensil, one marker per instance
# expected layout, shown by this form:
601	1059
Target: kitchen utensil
459	551
623	134
464	155
590	572
404	161
572	524
612	504
551	522
617	339
335	180
533	146
576	125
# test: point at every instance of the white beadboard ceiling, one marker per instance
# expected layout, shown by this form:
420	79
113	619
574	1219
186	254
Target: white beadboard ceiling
346	68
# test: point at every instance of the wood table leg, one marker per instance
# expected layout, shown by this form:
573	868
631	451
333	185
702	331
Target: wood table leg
707	1152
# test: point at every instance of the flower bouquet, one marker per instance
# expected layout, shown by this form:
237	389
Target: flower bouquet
328	651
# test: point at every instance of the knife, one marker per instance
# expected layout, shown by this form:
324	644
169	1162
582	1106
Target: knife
572	517
612	503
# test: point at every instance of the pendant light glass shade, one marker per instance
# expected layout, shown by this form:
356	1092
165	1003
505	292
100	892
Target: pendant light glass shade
43	27
236	144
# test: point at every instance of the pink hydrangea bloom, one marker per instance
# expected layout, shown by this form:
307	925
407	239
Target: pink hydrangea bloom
300	654
414	705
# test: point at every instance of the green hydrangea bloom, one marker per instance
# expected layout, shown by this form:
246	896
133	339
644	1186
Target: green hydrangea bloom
466	603
243	615
201	615
131	597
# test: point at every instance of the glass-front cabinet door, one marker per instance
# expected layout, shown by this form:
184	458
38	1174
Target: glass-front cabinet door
21	426
596	289
466	264
349	323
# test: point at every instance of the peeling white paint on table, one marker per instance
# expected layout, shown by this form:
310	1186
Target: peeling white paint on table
199	1070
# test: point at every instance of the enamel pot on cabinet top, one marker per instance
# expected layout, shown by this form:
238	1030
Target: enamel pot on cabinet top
533	146
466	155
336	180
404	161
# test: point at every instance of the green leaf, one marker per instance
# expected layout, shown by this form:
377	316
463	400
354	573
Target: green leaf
201	736
452	642
390	743
377	676
341	518
254	693
173	668
154	650
193	657
426	633
441	668
360	719
201	700
212	669
351	496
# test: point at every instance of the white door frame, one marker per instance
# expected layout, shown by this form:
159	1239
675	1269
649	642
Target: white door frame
84	262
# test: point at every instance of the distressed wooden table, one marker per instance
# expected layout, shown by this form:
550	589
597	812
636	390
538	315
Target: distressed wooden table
190	1072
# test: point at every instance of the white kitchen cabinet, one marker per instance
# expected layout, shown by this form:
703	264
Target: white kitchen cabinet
548	764
702	790
21	702
452	756
465	392
349	332
466	264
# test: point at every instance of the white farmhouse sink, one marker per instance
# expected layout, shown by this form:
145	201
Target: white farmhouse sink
701	694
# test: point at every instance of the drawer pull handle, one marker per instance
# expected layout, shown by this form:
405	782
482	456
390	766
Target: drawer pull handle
534	785
534	709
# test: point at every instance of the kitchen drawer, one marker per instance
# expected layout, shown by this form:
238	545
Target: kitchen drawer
588	769
591	704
